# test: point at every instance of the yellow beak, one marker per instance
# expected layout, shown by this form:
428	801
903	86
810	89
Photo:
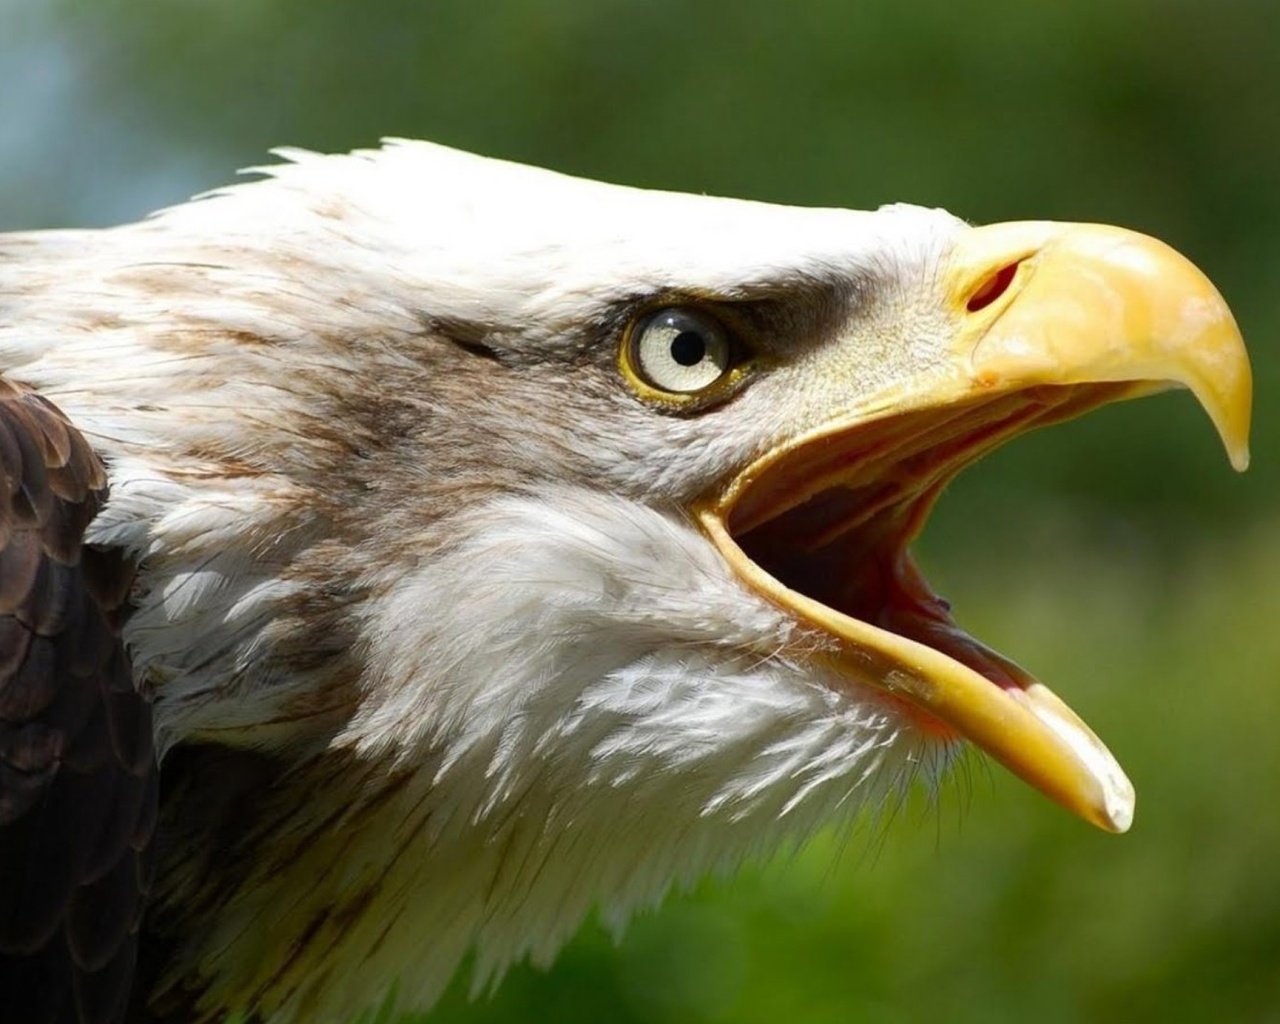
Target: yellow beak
1096	304
1050	321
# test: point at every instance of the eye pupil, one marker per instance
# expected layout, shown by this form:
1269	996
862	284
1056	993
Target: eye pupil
688	348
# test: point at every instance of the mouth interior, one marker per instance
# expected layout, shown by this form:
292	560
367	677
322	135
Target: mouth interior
833	518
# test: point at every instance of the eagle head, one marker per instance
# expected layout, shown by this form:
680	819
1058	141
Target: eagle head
511	544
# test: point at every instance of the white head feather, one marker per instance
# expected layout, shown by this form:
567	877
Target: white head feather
460	586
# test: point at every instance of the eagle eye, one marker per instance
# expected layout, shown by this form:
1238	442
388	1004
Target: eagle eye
678	351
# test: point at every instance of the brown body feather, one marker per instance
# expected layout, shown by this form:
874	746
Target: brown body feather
78	775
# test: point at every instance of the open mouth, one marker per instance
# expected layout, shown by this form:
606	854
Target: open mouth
823	528
842	536
1047	322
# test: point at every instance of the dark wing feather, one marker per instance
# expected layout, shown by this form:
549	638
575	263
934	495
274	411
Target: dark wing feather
78	771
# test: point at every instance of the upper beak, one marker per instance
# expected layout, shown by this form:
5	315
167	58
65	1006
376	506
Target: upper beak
1091	304
1085	311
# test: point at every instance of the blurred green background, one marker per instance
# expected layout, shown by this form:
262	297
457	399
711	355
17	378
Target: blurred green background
1118	557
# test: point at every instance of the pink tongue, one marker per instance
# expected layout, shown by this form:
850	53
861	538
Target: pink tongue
864	572
912	610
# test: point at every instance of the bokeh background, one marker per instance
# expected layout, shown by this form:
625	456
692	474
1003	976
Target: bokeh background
1118	556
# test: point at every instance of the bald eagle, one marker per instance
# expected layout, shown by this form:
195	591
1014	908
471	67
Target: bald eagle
405	552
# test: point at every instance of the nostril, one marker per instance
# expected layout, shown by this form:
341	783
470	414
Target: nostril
992	288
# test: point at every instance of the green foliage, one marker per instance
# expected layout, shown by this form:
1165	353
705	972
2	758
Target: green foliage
1116	556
